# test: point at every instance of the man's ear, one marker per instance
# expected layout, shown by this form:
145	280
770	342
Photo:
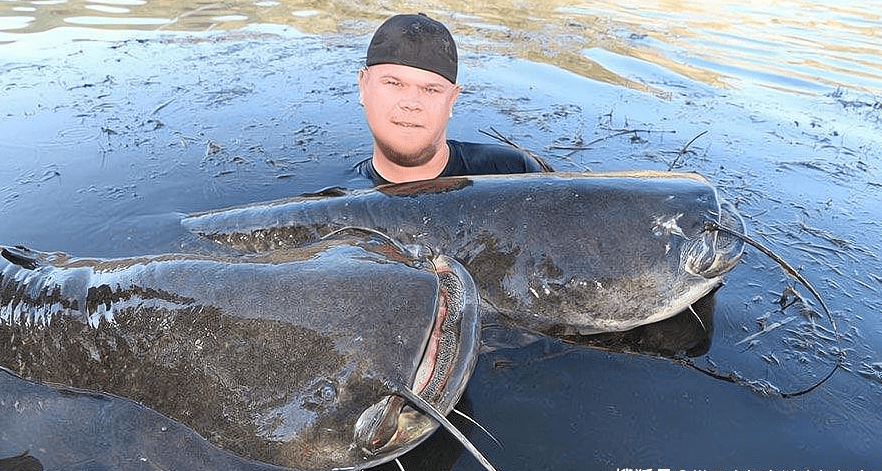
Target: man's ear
454	93
362	79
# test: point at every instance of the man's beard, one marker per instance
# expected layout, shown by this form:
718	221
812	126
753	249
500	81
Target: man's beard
414	159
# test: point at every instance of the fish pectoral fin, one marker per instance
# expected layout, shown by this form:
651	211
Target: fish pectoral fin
18	256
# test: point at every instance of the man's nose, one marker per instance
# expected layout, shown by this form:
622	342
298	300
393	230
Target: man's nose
411	102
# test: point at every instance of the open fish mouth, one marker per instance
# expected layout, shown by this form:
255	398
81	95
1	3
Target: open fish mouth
446	365
712	253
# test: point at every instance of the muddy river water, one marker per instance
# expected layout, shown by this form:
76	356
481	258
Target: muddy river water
119	116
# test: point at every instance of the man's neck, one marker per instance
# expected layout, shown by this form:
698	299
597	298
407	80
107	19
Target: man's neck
394	173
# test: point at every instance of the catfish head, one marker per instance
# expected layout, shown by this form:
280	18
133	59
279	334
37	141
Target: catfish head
414	409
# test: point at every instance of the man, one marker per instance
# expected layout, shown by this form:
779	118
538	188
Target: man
408	88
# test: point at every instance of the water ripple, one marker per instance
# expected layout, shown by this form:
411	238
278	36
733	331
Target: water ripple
728	43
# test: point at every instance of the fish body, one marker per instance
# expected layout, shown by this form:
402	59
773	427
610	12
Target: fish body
558	253
285	357
49	426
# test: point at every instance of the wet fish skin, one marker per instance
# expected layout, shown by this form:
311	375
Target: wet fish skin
271	356
558	253
77	430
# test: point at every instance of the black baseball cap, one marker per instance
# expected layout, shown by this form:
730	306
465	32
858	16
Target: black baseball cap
415	41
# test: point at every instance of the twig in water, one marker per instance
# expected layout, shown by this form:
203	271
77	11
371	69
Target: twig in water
684	149
766	330
616	133
499	137
162	106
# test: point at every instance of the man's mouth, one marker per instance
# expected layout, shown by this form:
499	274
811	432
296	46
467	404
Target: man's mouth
406	124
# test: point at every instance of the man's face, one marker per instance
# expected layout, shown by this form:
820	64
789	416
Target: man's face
407	110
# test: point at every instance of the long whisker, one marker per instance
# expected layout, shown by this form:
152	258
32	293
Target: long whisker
697	317
476	424
424	406
713	226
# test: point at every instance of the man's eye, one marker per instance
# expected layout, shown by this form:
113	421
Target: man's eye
392	83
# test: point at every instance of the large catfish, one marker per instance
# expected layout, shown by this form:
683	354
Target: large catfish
559	253
305	357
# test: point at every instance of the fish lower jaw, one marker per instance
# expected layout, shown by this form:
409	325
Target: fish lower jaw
683	301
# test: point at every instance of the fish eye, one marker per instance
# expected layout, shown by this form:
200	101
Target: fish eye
327	392
324	392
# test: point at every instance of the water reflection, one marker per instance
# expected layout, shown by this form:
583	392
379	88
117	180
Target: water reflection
724	44
688	333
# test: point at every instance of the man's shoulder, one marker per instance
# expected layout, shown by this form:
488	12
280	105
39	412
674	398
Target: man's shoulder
471	158
475	150
366	169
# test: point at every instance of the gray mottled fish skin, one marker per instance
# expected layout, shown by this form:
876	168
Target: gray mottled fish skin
74	430
557	253
274	356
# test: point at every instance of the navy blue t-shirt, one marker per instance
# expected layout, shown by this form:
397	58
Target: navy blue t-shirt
469	158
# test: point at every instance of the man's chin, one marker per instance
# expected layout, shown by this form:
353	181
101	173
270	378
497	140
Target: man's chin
407	156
